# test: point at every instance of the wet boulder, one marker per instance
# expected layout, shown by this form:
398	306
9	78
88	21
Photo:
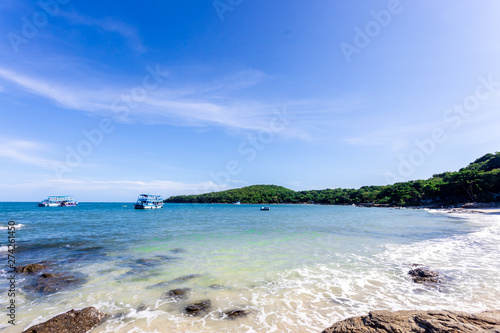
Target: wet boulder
198	308
73	321
424	275
31	268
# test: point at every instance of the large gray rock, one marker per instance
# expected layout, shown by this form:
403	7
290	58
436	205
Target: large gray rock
74	321
419	322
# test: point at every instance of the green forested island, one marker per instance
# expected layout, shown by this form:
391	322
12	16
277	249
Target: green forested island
478	182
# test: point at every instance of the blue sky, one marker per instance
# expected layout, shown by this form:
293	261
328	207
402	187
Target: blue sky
105	100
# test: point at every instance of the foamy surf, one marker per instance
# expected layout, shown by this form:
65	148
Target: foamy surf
17	226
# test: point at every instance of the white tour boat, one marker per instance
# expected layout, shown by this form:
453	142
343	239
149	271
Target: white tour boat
147	201
58	201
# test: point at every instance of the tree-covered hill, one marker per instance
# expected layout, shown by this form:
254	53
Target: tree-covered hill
249	194
479	182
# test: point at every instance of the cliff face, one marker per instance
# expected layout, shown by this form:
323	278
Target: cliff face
419	322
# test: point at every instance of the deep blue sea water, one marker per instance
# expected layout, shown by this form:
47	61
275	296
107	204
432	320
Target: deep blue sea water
293	268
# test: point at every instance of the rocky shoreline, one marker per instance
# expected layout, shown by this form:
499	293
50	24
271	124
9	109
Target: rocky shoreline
85	320
43	278
469	207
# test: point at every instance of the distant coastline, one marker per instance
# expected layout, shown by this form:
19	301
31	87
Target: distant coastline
479	182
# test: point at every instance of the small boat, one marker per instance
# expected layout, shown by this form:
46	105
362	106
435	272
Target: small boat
264	208
58	201
237	203
147	201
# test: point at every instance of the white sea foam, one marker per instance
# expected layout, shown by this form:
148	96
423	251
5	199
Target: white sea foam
17	226
469	262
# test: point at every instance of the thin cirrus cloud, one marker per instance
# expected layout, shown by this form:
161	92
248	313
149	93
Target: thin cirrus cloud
24	151
108	24
202	105
171	105
61	96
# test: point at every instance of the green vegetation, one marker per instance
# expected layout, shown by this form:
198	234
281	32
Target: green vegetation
250	194
478	182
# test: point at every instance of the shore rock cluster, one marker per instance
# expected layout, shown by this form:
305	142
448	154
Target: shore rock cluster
47	283
202	306
419	322
85	320
44	280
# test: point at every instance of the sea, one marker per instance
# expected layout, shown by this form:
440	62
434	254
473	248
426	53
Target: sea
294	268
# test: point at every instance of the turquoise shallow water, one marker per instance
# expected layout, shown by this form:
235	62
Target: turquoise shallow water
293	268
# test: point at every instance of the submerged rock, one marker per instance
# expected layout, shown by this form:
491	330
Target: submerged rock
139	266
186	277
424	275
84	253
216	286
167	258
233	314
48	275
74	321
49	283
147	262
177	294
419	322
177	280
198	307
31	268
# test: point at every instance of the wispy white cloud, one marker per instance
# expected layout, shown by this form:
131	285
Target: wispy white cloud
24	151
128	32
192	106
64	97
